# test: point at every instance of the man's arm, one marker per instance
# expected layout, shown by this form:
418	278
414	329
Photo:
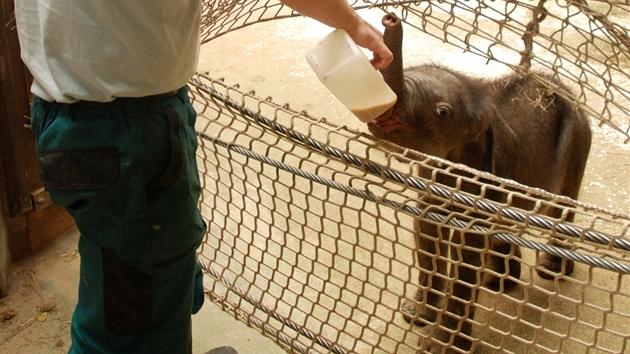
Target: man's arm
339	14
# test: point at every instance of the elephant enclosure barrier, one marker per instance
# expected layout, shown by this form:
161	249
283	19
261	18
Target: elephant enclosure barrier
311	234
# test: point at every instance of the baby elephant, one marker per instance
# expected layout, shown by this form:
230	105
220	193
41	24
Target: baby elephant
513	127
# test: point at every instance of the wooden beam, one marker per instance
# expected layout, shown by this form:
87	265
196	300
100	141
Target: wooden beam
26	230
12	88
5	255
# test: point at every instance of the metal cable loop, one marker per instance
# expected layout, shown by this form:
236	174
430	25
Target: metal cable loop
433	216
268	329
373	168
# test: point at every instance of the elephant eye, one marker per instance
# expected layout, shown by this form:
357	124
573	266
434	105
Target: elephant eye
443	109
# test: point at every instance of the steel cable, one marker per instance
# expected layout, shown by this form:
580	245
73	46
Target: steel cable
268	329
433	216
485	205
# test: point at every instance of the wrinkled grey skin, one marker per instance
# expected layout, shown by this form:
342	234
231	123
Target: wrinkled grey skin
512	127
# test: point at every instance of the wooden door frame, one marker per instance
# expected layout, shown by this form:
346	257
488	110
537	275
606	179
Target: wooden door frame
27	221
12	153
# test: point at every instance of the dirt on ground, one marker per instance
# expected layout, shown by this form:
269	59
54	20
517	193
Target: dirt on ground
35	317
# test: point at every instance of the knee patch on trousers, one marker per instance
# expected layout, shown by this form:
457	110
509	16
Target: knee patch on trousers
127	296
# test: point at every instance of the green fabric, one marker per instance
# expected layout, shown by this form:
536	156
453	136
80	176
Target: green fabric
128	231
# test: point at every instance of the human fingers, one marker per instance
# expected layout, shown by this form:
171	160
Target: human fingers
365	35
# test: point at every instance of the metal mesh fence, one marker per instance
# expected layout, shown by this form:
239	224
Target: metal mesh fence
312	228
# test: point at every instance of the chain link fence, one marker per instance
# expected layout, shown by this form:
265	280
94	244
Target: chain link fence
311	226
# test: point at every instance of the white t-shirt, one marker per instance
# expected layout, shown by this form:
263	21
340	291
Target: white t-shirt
96	50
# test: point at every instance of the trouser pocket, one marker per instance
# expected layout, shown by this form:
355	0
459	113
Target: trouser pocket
93	168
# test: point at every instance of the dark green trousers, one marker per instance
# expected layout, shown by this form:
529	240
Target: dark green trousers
126	171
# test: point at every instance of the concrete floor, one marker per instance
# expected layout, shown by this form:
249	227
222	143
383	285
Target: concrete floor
35	317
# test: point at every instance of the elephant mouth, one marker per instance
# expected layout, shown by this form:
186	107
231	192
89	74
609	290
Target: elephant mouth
388	122
386	125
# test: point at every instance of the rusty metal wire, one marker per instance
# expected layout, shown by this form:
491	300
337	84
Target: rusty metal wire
311	234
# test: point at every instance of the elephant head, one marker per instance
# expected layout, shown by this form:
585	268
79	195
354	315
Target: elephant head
439	112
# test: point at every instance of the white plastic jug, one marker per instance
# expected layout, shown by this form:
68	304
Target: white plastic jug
343	68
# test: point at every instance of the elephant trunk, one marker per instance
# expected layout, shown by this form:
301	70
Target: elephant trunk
393	37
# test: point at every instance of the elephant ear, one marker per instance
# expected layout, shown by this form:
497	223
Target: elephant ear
496	135
487	162
484	113
481	133
480	151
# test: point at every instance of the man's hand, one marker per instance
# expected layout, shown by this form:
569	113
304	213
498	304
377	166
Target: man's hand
369	37
339	14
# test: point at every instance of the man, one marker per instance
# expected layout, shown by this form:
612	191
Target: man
116	146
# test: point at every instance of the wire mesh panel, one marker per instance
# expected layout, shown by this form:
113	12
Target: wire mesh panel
313	233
